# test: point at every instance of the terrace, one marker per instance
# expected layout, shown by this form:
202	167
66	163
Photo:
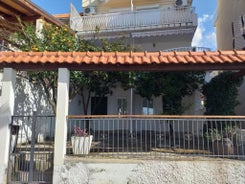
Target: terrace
137	135
131	137
154	136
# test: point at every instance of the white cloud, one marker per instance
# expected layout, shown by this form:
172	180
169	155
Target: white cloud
205	35
198	37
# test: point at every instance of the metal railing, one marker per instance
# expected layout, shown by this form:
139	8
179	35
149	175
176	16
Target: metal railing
137	20
183	49
161	136
5	48
31	149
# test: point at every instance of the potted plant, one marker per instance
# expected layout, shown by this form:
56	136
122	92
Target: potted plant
81	141
222	141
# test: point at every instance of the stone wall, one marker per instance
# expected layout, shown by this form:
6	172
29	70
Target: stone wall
104	171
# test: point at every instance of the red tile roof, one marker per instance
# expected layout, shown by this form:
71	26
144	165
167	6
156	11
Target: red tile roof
219	60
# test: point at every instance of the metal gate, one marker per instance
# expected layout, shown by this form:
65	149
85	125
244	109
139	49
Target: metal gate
31	149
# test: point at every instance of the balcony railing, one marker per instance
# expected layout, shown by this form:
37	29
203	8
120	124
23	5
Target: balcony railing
184	49
5	48
137	20
162	136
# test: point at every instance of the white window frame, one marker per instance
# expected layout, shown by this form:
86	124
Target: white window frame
123	111
149	110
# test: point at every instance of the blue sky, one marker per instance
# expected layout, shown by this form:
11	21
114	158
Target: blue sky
205	34
205	9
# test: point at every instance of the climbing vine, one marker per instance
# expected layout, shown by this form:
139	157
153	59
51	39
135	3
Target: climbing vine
221	94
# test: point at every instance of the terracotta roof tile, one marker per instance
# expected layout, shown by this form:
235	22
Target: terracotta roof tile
208	59
181	59
145	59
118	60
155	59
198	58
217	59
163	60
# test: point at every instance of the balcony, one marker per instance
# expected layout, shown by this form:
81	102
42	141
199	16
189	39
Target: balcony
145	20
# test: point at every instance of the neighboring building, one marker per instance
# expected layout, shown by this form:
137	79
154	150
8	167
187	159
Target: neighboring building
230	28
26	93
230	34
147	25
11	10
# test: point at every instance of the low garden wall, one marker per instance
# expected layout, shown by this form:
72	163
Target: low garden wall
124	171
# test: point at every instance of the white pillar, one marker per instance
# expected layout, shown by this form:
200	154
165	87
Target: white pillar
6	111
60	122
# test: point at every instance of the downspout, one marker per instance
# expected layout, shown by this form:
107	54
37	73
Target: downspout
131	6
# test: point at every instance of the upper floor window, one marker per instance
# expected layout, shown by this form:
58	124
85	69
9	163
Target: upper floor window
147	108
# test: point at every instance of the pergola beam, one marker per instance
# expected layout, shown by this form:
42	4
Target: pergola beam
127	67
124	61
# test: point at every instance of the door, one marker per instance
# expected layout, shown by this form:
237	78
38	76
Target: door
99	106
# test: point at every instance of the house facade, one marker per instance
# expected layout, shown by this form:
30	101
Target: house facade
230	34
170	25
146	25
121	102
230	30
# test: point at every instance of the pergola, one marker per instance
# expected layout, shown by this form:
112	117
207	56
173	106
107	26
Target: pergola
10	62
125	61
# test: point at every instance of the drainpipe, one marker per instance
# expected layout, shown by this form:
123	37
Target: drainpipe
131	110
131	103
132	6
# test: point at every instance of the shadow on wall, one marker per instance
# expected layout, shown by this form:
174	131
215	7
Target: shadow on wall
29	97
240	109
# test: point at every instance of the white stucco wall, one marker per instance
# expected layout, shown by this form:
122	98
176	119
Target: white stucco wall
29	97
148	172
193	104
158	43
1	77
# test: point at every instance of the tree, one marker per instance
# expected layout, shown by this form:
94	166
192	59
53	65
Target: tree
53	38
221	94
172	86
221	99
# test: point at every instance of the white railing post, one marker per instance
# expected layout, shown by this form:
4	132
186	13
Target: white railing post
6	112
